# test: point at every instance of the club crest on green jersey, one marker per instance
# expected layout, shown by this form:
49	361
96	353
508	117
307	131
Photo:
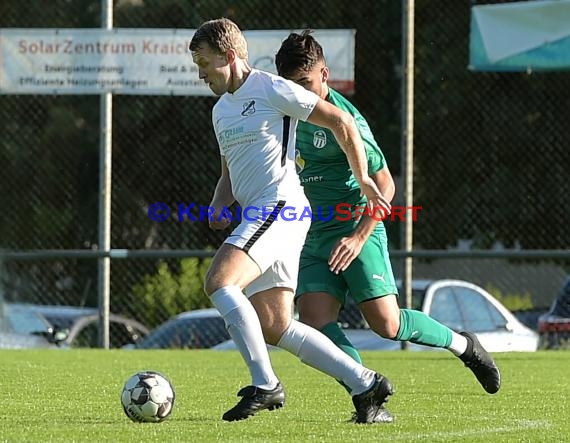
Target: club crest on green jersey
319	139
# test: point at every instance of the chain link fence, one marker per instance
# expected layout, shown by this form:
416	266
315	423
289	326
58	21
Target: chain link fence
491	158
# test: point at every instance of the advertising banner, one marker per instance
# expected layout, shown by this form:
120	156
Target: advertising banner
520	36
138	61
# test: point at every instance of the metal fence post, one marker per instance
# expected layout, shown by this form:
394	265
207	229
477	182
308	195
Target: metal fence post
105	163
408	8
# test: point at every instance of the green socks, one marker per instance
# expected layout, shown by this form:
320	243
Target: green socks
417	327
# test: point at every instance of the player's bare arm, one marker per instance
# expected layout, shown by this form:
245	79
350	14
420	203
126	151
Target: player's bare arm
385	183
348	248
344	128
222	198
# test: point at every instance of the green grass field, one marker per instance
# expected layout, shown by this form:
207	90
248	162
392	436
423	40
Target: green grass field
65	396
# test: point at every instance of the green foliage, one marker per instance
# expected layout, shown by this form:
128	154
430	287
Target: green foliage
512	301
169	292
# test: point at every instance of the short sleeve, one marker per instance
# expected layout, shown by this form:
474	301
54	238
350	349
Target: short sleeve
376	159
291	99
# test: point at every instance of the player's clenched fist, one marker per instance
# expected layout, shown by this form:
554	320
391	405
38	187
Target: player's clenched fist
218	221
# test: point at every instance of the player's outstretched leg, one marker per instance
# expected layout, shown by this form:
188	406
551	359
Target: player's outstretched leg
369	405
481	364
255	399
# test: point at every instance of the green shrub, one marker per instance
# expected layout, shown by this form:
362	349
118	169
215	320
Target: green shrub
167	292
512	301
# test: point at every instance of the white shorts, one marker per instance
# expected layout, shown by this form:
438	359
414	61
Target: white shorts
274	242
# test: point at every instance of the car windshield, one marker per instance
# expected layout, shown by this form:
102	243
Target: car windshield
465	309
24	321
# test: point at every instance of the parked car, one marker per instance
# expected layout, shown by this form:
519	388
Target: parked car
22	320
73	326
22	330
12	340
554	326
460	305
198	329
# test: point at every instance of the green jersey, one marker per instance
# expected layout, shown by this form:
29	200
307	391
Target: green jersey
325	173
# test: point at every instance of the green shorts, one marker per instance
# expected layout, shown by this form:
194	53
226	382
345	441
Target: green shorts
369	276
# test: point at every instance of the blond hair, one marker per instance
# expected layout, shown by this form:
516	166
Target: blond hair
221	35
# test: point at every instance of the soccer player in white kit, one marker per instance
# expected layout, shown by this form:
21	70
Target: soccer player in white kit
255	121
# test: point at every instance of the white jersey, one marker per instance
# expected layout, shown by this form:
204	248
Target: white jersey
255	128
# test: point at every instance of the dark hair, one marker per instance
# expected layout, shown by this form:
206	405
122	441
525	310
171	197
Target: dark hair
298	52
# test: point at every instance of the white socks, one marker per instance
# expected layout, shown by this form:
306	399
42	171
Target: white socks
243	326
318	351
458	344
312	347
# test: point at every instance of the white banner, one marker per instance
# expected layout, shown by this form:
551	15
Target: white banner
138	61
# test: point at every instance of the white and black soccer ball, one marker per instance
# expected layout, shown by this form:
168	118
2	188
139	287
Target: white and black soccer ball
148	397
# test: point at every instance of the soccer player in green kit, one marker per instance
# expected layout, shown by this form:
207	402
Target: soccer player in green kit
341	255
